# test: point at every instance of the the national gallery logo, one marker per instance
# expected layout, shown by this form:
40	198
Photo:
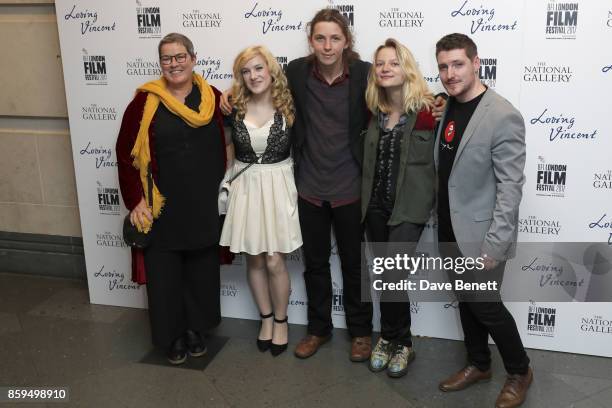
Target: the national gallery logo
539	226
142	67
94	69
596	325
88	20
488	71
561	20
482	19
109	240
542	72
551	179
541	320
398	18
108	199
97	112
348	11
602	180
609	19
201	19
229	289
149	21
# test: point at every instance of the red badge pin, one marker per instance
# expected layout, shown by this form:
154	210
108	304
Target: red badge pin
449	132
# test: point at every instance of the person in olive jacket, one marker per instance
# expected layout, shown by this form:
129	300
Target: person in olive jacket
398	183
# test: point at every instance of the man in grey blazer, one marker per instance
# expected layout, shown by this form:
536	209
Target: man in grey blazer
480	156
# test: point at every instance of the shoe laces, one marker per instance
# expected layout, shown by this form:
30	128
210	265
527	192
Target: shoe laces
382	347
401	353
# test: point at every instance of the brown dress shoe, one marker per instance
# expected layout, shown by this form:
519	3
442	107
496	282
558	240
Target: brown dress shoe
464	378
309	345
361	348
514	391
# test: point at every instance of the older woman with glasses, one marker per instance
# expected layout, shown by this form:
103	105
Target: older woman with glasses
171	153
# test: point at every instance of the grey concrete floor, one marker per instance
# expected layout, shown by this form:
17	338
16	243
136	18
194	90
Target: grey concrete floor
51	336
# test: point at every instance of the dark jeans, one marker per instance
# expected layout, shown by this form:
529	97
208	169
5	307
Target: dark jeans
183	292
316	223
394	315
481	319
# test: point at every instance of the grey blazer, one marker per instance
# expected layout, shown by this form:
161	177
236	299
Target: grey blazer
486	180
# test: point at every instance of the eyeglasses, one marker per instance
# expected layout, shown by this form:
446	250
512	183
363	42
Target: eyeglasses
167	59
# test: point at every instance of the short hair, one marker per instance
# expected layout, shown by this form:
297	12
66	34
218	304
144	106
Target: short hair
281	96
329	15
417	95
176	38
457	41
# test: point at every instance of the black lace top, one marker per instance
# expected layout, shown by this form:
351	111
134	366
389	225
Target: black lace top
278	147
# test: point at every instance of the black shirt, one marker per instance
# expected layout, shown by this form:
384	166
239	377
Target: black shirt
387	162
457	118
190	162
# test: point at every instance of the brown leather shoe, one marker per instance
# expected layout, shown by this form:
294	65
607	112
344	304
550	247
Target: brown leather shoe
309	345
361	348
514	391
464	378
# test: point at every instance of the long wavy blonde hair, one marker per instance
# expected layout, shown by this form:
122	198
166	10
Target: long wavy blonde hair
281	97
417	95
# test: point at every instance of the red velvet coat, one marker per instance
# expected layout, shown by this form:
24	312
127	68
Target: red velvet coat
129	177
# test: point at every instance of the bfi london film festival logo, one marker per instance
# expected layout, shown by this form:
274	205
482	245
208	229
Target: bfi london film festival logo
551	179
271	19
211	69
561	20
602	180
596	324
115	280
603	223
488	71
108	199
88	20
107	239
539	226
142	68
541	320
95	112
149	21
544	73
348	11
201	19
102	155
560	127
482	19
94	69
337	299
283	62
397	18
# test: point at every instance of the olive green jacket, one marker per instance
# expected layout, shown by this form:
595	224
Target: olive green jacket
414	196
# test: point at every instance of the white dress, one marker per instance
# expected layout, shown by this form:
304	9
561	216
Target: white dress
262	215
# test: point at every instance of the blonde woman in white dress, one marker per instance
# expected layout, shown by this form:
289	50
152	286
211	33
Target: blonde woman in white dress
262	219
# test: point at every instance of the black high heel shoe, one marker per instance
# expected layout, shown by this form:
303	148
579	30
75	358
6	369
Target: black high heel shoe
277	349
264	345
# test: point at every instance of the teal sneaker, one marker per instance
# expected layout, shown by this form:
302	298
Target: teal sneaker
380	355
398	365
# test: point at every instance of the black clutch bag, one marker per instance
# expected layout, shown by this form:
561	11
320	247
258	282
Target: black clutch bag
131	235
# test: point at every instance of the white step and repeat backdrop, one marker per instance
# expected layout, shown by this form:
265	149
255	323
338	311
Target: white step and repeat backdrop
550	58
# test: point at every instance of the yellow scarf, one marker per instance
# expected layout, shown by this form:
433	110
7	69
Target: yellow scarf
157	91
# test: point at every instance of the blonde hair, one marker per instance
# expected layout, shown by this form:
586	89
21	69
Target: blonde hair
281	97
417	95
